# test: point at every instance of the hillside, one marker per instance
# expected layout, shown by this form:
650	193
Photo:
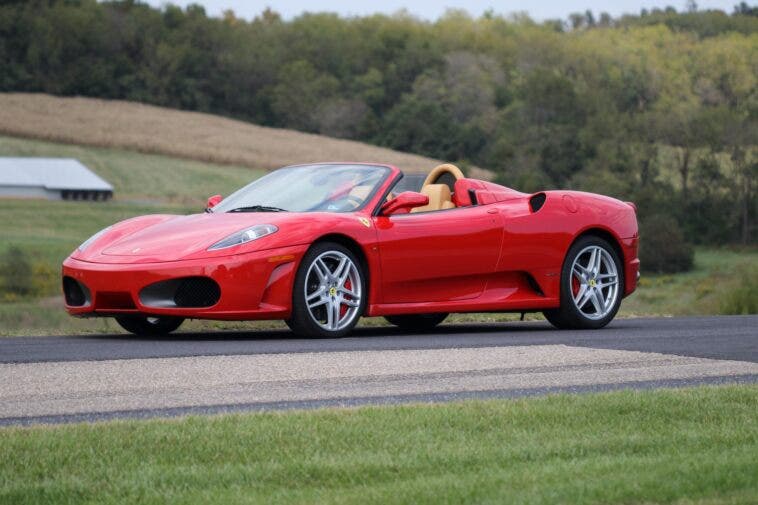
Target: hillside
192	135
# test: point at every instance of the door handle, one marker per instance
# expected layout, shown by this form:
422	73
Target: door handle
491	211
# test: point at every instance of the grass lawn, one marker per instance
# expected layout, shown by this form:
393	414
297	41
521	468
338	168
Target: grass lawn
668	446
718	275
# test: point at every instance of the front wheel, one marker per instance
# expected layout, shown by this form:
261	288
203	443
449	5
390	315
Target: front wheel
416	322
329	295
592	283
146	325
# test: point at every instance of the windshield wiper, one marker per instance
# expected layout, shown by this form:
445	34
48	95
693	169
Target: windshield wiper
258	208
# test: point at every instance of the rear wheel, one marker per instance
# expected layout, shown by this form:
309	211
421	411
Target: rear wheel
146	325
592	283
413	322
329	295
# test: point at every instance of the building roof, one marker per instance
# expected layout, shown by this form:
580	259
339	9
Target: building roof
50	173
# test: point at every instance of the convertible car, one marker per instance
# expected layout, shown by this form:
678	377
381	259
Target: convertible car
321	245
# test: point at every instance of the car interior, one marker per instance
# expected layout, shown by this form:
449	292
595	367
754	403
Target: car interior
447	188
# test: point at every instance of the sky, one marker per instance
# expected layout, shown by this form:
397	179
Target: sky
432	9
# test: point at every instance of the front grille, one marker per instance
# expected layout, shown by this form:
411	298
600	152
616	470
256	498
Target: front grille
197	292
75	293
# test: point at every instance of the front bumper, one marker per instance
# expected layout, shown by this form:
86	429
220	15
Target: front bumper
257	285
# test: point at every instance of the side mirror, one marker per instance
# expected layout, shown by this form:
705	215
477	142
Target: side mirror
404	202
213	201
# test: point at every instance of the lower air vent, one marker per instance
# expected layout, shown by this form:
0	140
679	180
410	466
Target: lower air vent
533	284
188	292
76	293
197	292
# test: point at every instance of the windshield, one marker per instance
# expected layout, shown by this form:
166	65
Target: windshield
308	188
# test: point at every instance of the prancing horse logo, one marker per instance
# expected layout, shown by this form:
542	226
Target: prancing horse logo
365	222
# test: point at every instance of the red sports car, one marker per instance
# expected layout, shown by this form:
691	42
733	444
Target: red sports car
321	245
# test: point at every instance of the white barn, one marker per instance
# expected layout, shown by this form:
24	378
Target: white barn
51	178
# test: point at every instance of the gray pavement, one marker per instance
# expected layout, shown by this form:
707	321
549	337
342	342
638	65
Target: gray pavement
90	378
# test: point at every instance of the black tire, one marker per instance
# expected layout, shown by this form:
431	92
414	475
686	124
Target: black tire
149	326
569	315
314	322
416	322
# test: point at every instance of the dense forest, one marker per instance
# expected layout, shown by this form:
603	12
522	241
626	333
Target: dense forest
660	107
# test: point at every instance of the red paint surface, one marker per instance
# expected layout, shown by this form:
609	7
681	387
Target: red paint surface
485	257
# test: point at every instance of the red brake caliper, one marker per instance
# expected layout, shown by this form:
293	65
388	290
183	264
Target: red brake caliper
574	285
343	308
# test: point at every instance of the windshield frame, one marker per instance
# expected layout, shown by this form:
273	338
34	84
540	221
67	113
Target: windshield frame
386	172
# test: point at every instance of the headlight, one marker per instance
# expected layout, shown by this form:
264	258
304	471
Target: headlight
243	236
94	237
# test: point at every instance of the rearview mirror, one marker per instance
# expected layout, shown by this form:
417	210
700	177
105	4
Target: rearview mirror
213	201
404	202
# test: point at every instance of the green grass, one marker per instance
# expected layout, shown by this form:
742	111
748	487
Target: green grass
717	274
667	446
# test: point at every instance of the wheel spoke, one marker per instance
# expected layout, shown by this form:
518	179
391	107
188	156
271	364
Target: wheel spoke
597	301
340	267
592	264
329	315
580	293
350	303
320	291
318	303
586	296
347	292
599	261
606	284
580	271
335	310
322	271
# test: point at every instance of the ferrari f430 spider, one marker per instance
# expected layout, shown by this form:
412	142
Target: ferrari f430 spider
321	245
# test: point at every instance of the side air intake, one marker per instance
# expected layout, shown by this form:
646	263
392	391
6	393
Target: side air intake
537	201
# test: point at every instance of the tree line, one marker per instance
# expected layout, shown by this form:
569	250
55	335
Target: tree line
660	107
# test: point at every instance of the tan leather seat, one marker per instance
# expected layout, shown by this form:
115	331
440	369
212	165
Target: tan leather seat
439	198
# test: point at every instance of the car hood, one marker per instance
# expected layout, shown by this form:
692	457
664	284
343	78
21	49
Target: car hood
172	238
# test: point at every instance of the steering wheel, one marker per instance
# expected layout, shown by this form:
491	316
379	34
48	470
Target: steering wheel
444	171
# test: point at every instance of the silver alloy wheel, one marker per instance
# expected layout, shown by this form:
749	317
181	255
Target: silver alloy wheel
594	282
333	290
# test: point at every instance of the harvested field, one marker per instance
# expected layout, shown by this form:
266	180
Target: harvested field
193	135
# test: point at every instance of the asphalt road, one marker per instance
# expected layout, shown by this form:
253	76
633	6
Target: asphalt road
89	378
